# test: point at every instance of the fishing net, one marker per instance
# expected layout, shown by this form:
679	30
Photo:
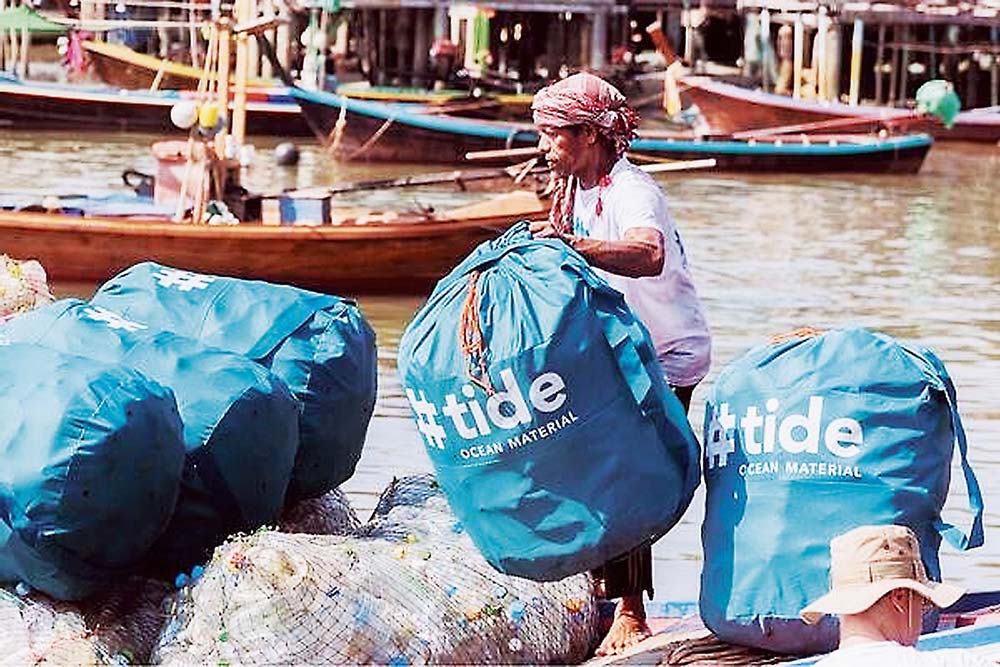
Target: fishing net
117	627
409	587
23	286
121	625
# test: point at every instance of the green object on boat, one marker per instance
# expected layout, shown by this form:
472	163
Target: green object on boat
938	98
23	17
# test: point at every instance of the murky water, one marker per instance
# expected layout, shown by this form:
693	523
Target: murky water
917	257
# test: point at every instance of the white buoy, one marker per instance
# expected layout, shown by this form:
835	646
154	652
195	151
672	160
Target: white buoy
184	114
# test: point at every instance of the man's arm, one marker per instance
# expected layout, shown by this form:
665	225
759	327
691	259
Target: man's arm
638	254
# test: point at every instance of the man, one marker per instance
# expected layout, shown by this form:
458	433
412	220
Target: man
616	217
879	588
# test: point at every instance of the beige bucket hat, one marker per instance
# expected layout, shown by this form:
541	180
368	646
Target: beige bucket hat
868	562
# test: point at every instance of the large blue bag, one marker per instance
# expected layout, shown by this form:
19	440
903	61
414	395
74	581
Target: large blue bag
90	465
240	421
320	345
544	411
805	439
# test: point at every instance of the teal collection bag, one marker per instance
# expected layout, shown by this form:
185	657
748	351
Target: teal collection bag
805	439
544	411
92	456
319	345
240	421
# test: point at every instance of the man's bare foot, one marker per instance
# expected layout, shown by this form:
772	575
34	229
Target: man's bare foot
628	629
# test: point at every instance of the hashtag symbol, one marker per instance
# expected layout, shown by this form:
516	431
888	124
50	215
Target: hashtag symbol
426	413
185	281
721	439
113	320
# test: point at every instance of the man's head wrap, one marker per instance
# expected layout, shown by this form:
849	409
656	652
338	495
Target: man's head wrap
584	99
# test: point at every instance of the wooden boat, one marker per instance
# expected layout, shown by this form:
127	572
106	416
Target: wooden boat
847	153
730	109
509	105
121	67
680	638
52	106
359	251
377	132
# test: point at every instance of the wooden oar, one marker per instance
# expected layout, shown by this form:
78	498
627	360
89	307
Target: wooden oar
678	165
527	151
657	166
435	178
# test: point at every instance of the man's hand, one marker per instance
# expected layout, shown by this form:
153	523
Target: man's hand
543	229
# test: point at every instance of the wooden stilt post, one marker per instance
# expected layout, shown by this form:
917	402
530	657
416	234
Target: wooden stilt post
799	38
25	48
421	46
879	63
932	39
857	44
894	73
193	37
995	68
383	45
264	67
323	48
972	83
904	64
820	65
283	45
688	33
3	41
765	49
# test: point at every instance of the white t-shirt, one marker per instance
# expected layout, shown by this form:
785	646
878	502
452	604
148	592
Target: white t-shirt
667	304
886	654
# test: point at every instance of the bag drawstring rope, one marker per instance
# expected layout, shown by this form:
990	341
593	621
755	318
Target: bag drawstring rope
470	337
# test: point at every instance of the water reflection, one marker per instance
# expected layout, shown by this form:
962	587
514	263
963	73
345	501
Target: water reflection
915	257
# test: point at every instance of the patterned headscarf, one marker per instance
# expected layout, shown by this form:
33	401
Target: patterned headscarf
584	99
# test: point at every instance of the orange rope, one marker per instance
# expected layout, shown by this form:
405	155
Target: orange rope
801	332
470	337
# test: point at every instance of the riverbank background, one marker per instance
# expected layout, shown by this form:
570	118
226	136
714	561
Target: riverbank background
916	257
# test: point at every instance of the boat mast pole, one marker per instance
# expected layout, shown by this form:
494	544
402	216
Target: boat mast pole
242	13
225	37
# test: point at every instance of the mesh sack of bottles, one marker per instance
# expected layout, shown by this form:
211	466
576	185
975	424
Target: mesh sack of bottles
240	428
80	502
319	345
117	626
120	624
408	588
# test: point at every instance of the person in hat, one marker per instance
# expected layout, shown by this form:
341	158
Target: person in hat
616	216
879	589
